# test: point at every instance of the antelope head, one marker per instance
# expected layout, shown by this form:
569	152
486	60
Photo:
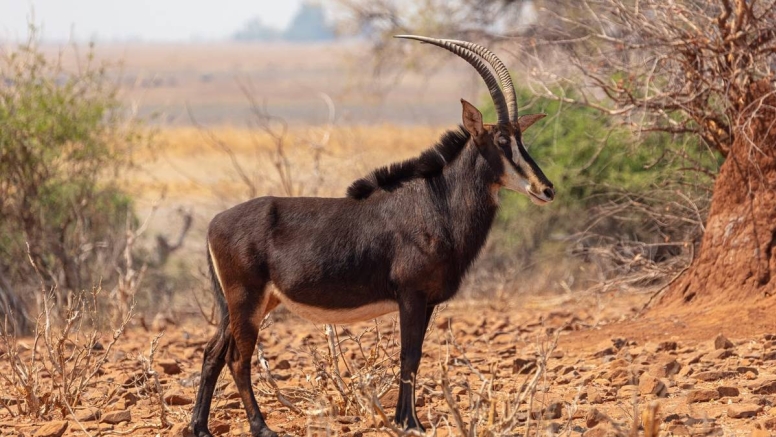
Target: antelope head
501	144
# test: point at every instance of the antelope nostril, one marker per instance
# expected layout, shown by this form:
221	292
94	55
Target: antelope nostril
549	193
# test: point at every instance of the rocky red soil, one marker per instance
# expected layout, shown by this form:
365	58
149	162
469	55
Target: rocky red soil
687	372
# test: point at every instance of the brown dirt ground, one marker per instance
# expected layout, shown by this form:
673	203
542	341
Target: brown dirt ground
606	363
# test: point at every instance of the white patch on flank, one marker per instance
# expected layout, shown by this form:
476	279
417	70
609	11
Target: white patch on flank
261	312
215	268
336	316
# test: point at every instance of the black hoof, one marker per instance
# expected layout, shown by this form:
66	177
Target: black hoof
196	431
417	427
410	424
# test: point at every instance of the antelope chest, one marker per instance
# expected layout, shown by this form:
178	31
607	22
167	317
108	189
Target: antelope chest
335	315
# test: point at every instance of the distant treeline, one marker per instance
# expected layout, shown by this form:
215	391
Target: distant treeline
309	24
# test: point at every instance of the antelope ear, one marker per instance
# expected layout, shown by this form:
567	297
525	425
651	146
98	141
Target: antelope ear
472	119
525	121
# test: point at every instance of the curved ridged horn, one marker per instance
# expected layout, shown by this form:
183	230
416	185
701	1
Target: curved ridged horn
471	58
503	74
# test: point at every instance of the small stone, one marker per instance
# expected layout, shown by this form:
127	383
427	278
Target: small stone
666	346
727	391
769	424
52	429
594	417
129	398
602	430
665	368
176	397
218	427
740	411
87	414
594	396
713	375
283	365
169	367
763	386
100	428
719	354
523	366
116	417
605	352
721	342
553	409
649	385
678	429
694	359
390	399
702	395
181	430
619	342
627	391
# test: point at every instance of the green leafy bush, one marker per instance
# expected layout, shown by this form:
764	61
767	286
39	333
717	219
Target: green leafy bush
63	140
616	191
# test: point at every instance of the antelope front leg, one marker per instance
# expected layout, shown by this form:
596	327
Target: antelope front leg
412	322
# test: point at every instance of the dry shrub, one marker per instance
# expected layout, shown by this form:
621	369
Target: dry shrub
355	371
66	357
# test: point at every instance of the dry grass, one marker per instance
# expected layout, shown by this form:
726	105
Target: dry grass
192	168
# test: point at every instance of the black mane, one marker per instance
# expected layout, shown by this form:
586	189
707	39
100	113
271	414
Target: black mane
429	163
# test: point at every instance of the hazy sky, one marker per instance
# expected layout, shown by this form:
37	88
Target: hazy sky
152	20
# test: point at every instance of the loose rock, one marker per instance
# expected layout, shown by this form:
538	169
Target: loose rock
649	385
740	411
721	342
666	346
176	397
553	409
52	429
763	386
87	414
665	368
594	417
714	375
116	417
523	366
169	367
726	391
702	395
181	430
602	430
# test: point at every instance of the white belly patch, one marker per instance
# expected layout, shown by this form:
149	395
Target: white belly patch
339	315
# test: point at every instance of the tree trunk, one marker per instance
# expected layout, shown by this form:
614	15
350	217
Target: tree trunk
737	257
13	313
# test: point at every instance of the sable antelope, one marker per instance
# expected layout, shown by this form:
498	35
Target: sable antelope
401	240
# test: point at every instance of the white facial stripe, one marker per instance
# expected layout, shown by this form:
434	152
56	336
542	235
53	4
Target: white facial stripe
512	179
516	156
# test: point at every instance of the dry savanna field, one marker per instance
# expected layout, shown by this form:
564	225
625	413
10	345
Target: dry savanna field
577	363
